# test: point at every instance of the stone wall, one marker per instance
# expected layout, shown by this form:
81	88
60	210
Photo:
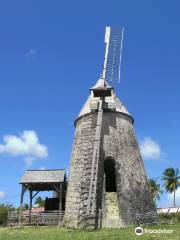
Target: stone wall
118	142
76	200
111	216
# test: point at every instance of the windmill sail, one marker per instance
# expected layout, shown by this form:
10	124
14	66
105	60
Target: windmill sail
112	60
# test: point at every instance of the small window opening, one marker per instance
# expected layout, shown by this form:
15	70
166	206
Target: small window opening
102	92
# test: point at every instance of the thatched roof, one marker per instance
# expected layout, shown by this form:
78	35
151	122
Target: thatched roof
43	176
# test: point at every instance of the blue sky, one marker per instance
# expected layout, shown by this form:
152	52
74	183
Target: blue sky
51	53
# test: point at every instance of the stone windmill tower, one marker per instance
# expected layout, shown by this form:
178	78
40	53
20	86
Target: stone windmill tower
107	184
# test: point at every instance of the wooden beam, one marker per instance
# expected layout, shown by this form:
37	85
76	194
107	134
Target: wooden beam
56	188
35	194
60	197
60	202
30	204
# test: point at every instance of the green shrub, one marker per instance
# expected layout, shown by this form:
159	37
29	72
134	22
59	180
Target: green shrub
169	218
4	209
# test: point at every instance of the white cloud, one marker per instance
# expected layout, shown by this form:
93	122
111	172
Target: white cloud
26	144
2	194
177	195
31	54
150	149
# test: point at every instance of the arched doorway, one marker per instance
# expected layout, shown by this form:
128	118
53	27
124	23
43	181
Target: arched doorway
110	175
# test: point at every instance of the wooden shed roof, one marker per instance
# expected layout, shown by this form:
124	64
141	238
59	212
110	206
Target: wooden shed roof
43	176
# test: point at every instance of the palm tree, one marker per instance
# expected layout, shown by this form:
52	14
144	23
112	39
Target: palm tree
155	189
171	180
40	201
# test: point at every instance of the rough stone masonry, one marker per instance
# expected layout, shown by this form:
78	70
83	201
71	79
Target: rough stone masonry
121	189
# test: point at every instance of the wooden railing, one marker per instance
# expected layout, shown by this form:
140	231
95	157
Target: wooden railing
44	218
168	210
57	218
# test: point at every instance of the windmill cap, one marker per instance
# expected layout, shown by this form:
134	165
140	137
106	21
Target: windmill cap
118	105
101	83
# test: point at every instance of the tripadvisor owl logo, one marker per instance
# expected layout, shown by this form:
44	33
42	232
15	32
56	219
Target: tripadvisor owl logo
139	231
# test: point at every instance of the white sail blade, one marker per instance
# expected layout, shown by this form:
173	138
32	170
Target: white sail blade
113	40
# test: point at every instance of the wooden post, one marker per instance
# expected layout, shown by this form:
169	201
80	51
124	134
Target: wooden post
30	204
60	202
21	203
60	197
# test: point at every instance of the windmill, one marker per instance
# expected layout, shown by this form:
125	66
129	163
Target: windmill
107	184
111	73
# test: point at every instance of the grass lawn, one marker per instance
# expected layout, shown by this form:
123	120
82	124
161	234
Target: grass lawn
55	233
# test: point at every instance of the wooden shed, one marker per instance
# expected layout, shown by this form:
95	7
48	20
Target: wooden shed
35	181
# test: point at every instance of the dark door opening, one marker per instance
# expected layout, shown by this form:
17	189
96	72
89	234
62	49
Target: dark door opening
110	175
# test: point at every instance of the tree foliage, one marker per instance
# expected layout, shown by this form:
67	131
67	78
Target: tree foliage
40	201
155	189
171	180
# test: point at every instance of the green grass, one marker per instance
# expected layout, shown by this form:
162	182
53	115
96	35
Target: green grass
55	233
